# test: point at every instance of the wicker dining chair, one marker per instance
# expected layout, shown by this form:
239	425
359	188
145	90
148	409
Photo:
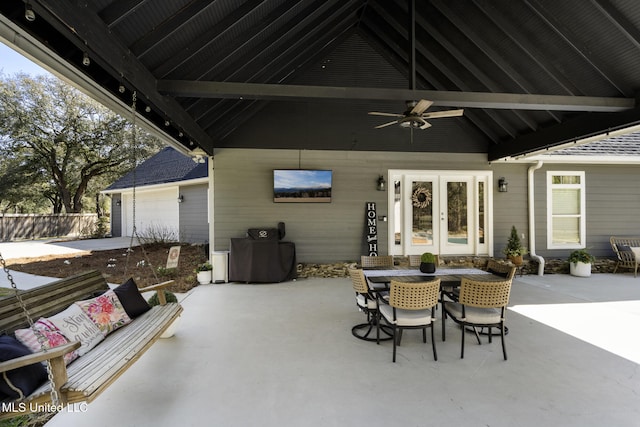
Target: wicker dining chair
480	304
414	260
376	261
508	271
366	302
411	306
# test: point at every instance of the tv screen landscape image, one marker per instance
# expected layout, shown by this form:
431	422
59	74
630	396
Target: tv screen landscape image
302	186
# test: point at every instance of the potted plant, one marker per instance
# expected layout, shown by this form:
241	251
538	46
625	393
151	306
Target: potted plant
204	273
514	250
428	263
580	263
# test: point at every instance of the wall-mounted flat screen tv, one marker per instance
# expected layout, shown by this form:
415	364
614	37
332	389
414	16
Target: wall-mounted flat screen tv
302	186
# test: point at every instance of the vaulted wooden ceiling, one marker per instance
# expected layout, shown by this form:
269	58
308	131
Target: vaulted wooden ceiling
530	74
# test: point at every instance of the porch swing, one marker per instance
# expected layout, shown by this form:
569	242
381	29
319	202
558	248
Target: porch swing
92	373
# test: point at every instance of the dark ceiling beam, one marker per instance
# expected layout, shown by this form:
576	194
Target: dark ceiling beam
576	43
490	53
207	38
433	81
119	10
315	43
494	13
621	22
168	27
121	64
460	82
378	42
182	88
262	38
574	129
297	60
255	39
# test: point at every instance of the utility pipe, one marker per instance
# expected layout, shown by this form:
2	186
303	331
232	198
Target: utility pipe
532	218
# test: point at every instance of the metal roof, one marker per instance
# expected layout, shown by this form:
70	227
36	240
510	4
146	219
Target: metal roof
303	74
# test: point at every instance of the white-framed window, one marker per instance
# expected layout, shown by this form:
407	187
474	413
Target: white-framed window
566	221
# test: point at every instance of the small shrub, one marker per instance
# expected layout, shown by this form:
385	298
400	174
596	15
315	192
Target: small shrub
170	273
206	266
158	234
428	257
170	297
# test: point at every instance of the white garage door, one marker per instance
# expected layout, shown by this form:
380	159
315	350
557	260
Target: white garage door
156	212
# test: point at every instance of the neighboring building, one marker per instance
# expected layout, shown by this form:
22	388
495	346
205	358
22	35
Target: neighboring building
171	198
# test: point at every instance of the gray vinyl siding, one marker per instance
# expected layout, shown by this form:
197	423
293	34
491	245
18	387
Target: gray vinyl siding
193	214
322	232
334	231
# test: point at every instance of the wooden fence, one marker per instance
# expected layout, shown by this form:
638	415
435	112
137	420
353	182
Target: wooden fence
36	226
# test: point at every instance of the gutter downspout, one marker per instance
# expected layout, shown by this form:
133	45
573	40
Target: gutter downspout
532	219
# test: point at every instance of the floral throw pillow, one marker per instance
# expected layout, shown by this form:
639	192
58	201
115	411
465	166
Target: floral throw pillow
75	325
52	338
106	311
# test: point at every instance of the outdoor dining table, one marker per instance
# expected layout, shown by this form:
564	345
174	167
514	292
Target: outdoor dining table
379	279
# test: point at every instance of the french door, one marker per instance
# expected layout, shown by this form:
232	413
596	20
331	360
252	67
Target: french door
443	212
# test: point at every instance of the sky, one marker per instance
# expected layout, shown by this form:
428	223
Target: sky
11	62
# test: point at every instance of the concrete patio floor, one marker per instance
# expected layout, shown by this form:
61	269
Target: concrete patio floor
283	355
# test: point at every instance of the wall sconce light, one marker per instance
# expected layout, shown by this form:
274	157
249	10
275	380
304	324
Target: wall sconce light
85	59
382	184
180	198
29	14
118	202
121	89
502	185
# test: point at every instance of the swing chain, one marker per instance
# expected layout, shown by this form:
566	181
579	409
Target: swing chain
55	399
134	161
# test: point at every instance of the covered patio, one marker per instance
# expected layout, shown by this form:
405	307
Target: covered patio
283	355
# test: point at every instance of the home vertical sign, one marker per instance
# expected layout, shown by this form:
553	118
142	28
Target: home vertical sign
371	227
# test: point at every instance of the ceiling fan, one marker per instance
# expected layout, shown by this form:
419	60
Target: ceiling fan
415	116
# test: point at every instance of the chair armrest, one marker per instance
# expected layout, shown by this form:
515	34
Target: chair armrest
159	286
40	356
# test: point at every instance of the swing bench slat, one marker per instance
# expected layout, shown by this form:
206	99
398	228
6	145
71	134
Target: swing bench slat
87	377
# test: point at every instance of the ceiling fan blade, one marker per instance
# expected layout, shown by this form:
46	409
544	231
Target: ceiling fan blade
425	125
440	114
384	125
377	113
421	106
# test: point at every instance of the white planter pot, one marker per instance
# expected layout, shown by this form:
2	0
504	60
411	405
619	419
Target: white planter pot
204	277
171	330
580	269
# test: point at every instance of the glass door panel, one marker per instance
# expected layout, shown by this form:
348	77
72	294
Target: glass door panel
457	232
444	212
421	226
